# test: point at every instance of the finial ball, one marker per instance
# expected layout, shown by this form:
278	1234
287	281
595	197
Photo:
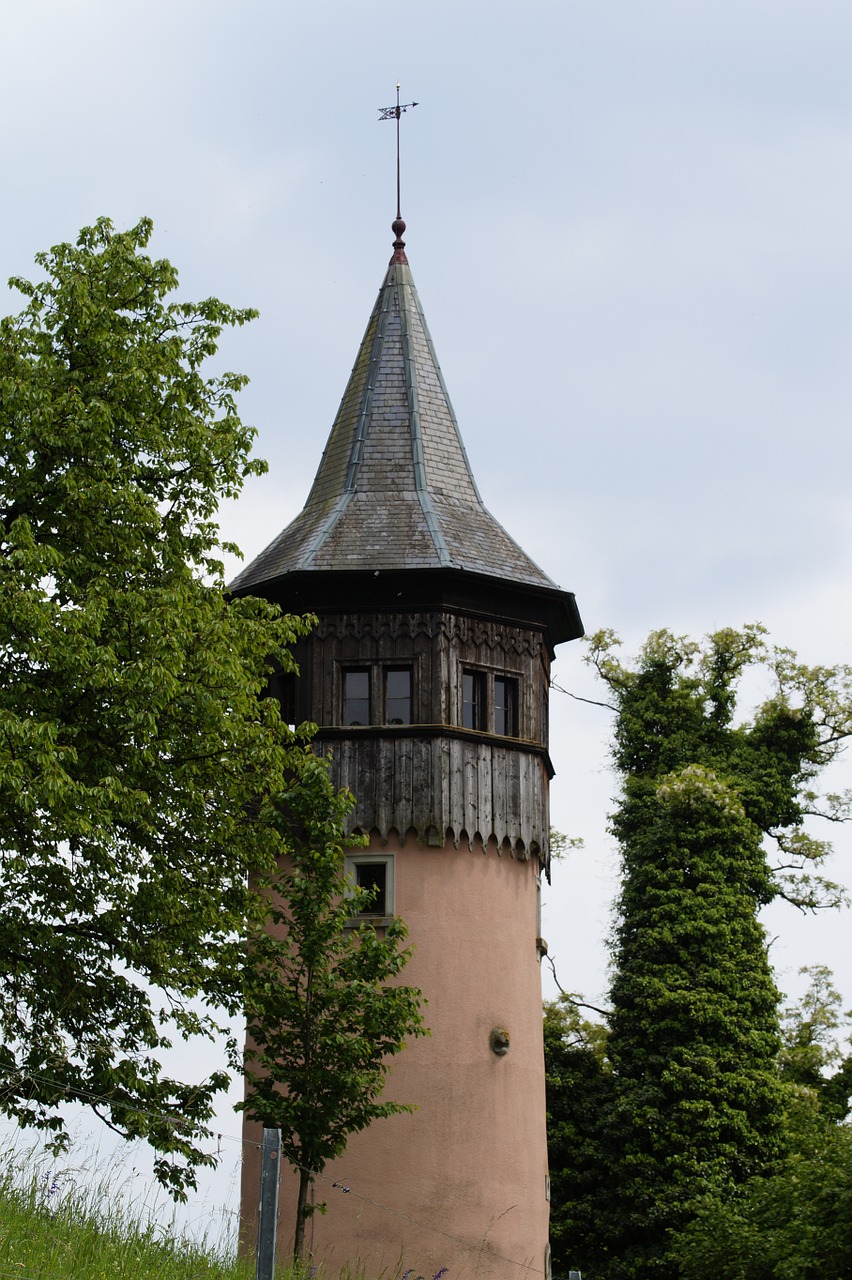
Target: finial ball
397	227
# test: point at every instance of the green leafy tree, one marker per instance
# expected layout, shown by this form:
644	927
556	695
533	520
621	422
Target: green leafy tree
139	764
324	1008
698	1103
811	1056
794	1224
580	1100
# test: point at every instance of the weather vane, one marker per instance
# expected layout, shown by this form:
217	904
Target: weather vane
394	113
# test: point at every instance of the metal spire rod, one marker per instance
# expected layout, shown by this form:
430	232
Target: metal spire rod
394	113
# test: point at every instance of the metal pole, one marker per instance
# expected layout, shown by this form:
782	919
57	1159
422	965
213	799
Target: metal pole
267	1216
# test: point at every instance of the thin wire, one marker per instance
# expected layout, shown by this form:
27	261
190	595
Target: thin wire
591	701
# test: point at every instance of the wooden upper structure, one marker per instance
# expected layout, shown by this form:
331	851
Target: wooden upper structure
409	573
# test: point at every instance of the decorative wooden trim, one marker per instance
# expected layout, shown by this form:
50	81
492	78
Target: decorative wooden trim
453	627
430	837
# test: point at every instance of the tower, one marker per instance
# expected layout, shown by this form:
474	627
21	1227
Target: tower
428	676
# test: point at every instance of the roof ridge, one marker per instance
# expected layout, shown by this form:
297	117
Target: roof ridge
404	287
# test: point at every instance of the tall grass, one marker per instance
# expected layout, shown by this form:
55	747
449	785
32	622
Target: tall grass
57	1224
52	1228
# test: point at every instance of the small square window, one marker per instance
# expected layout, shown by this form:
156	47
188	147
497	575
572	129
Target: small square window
473	700
506	706
356	697
398	695
375	873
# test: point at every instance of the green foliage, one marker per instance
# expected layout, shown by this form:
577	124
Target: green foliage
678	708
561	845
694	1032
792	1221
811	1057
139	765
580	1100
325	1012
795	1224
698	1106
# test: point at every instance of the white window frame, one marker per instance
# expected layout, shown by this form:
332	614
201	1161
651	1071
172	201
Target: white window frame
351	861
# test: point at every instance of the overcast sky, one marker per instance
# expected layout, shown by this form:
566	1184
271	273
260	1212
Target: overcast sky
629	224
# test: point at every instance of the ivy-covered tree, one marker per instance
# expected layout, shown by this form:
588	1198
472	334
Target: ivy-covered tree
694	1028
325	1011
797	1220
678	707
706	795
139	765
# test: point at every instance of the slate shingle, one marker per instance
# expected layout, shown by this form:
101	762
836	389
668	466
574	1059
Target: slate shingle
394	489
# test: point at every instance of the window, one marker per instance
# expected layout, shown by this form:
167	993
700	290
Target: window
375	873
473	700
490	703
356	697
373	878
282	685
376	695
506	706
398	695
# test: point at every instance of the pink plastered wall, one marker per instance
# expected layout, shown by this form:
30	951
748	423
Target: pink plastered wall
460	1183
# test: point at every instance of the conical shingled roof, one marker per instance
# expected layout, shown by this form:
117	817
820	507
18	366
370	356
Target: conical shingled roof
394	489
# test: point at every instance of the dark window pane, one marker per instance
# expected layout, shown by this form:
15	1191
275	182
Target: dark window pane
356	697
473	700
374	877
282	685
398	696
506	706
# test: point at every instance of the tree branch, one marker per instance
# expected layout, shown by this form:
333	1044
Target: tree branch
571	999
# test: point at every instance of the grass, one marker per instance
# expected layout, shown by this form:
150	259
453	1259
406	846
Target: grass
51	1229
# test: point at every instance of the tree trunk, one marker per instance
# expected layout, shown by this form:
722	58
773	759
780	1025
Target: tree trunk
305	1176
305	1180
